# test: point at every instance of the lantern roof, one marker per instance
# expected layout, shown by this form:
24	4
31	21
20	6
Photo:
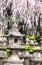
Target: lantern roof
14	30
15	33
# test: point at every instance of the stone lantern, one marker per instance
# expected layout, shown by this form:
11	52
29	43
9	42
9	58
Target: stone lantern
2	49
37	59
15	45
3	42
2	46
26	56
14	37
2	56
33	43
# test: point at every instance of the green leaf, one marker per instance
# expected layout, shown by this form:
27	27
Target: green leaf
7	50
5	53
32	37
30	50
27	47
23	47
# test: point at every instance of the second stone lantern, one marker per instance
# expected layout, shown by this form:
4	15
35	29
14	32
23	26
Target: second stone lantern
37	58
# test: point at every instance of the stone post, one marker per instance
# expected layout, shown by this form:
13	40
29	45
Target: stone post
26	61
